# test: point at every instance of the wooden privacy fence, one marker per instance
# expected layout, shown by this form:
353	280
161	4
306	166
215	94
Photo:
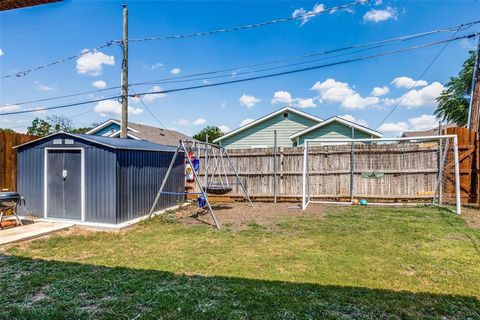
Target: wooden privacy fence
409	171
469	162
8	158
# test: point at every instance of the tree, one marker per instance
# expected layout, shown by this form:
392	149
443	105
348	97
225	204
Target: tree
7	130
454	100
39	127
212	131
51	124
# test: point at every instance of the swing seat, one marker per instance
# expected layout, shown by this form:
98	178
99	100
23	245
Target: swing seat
219	190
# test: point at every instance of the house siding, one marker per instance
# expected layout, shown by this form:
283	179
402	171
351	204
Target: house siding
262	134
334	130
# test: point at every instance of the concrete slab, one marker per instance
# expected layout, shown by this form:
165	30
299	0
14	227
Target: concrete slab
31	231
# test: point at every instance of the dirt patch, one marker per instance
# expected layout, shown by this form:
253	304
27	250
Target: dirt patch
471	217
240	215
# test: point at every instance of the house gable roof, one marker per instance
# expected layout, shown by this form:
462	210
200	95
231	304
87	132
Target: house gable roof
266	117
107	123
144	132
340	120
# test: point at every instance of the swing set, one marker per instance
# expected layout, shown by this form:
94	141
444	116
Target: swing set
215	169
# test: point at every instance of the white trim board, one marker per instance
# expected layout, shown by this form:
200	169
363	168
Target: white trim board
266	117
337	119
106	123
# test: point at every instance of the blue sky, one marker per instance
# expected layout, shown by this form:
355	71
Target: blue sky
38	35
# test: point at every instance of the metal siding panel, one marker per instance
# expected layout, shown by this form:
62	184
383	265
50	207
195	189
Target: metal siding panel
30	181
139	177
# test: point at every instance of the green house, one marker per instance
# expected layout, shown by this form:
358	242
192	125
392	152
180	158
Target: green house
292	128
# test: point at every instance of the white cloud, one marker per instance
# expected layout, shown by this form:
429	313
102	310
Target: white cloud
380	91
175	71
340	92
248	101
43	87
1	52
351	118
406	82
223	105
157	65
224	128
154	96
199	122
283	97
113	107
423	122
307	15
420	123
91	63
375	15
394	127
9	107
246	121
182	122
424	97
378	2
100	84
305	103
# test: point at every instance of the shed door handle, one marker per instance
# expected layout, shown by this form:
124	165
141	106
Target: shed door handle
64	174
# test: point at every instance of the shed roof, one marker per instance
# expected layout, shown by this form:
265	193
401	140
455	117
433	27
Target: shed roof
340	120
114	143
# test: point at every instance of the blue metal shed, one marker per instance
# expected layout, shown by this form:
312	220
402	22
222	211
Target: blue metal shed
95	179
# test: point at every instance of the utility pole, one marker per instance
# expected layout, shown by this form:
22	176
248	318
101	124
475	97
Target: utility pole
124	124
474	107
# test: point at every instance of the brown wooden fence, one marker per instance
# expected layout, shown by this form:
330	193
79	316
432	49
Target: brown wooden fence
469	162
8	158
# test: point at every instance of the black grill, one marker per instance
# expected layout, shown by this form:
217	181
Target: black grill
9	200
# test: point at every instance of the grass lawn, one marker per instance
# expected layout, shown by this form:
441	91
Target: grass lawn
351	263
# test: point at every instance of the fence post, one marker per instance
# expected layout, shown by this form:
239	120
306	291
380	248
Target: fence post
275	166
304	175
457	175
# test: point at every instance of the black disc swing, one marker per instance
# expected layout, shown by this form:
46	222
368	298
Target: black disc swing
217	184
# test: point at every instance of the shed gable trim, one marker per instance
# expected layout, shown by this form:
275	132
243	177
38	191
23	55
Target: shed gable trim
266	117
340	120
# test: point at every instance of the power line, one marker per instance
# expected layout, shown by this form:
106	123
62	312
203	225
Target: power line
84	52
254	78
372	45
416	81
253	25
51	24
148	109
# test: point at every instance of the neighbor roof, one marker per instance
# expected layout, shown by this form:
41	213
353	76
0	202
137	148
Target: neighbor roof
268	116
432	132
145	132
114	143
341	120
